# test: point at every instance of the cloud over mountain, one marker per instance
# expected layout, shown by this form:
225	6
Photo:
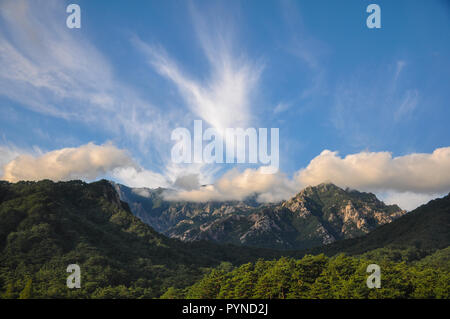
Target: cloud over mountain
407	180
377	171
85	162
235	185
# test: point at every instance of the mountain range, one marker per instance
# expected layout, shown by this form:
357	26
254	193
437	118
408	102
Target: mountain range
46	226
315	216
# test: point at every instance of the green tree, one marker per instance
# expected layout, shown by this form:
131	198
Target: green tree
9	293
27	290
172	293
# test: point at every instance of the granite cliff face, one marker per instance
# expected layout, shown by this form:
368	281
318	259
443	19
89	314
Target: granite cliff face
341	213
315	216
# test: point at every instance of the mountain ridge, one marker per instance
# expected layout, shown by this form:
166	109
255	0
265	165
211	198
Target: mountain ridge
426	227
315	216
45	226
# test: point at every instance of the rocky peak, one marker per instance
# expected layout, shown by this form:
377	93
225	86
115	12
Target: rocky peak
347	213
316	215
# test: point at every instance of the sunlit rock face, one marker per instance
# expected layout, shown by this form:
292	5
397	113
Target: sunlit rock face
315	216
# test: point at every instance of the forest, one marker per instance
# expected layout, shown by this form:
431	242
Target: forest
46	226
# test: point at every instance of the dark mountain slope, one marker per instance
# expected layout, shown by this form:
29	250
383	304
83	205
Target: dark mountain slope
315	216
46	226
427	228
171	217
412	251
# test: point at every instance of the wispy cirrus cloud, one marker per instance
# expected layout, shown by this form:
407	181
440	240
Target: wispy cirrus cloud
371	103
59	72
56	71
281	107
223	98
407	105
306	48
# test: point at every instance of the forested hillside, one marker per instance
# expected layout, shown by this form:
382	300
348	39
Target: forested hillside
45	226
427	228
318	277
413	253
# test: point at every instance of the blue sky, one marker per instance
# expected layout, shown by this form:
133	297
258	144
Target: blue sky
137	70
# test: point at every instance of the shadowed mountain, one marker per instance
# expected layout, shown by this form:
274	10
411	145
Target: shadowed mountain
426	228
315	216
46	226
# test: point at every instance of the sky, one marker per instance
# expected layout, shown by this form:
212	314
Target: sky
362	108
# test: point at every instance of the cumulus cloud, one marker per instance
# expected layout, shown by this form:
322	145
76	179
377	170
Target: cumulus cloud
188	182
85	162
235	185
379	171
7	154
135	176
408	180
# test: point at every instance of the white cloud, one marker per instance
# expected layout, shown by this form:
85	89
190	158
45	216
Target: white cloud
379	171
7	154
407	105
408	180
43	58
85	162
369	104
235	185
399	68
187	182
139	177
281	107
57	71
223	100
407	200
